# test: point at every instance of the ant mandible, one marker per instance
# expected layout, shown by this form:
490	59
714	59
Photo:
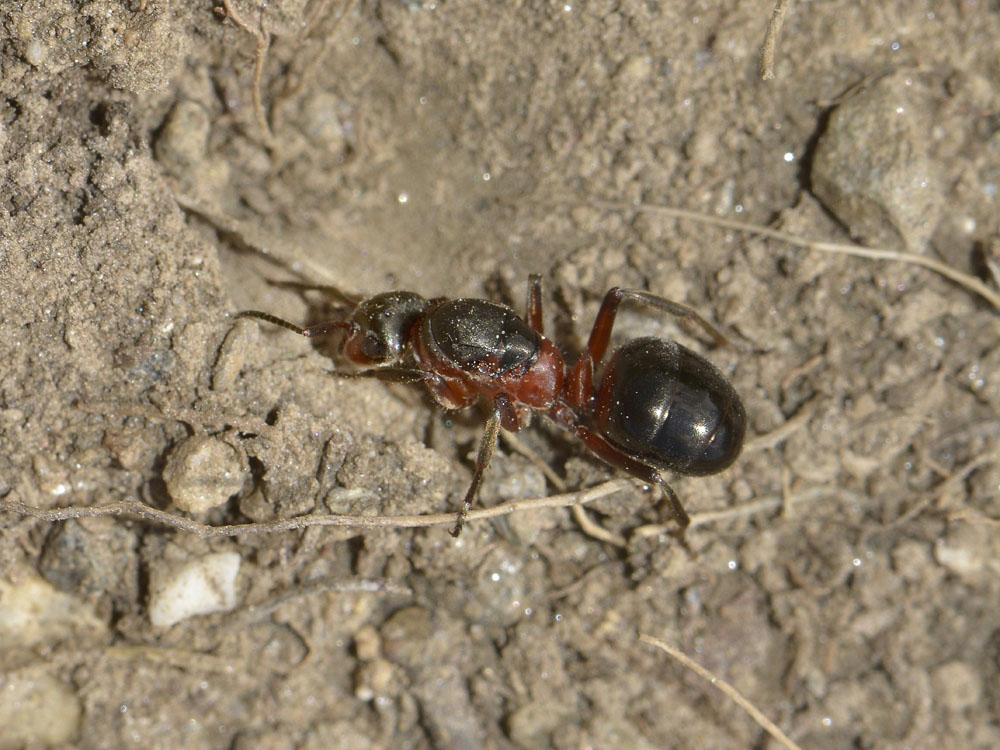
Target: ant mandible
655	406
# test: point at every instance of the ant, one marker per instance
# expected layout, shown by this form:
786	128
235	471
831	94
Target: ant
655	406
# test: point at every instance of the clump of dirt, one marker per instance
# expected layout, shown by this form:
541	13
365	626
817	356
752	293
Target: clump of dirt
843	574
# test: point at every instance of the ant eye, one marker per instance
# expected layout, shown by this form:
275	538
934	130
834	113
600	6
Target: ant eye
372	347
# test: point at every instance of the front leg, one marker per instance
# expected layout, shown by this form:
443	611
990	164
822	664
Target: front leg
388	374
501	404
333	292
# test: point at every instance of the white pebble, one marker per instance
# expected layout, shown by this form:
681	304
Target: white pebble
35	53
199	587
33	613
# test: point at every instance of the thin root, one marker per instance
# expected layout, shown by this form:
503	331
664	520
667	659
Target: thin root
263	38
587	525
732	693
280	253
774	24
875	253
262	35
137	509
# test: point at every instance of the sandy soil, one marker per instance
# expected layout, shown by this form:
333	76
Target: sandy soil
453	148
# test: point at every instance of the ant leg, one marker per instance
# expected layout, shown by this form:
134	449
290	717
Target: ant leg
680	515
388	374
611	455
600	334
535	303
350	300
317	330
486	448
678	310
579	388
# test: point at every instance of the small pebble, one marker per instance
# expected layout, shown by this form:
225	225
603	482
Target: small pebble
957	686
367	643
202	473
33	613
872	167
183	141
39	711
405	636
969	551
35	53
373	679
233	354
199	587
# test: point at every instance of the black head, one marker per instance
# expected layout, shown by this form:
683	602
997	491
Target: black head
380	328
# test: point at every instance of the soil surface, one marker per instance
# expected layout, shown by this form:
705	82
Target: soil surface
847	580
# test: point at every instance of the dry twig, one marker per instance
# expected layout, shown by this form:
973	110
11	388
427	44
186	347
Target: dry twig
246	236
732	693
148	513
262	33
137	509
584	521
875	253
774	24
263	39
973	517
760	506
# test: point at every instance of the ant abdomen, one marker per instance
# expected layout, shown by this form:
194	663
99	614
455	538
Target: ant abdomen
670	407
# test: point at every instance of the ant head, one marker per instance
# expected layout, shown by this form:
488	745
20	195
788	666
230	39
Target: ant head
380	328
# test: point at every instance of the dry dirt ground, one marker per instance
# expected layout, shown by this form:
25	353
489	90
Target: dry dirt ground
849	584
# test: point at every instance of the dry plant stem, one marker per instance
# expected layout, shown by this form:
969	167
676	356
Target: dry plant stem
249	238
154	515
875	253
785	430
950	482
263	44
788	500
69	658
253	613
774	24
803	369
580	515
263	38
591	528
786	491
760	506
974	517
309	71
511	440
732	693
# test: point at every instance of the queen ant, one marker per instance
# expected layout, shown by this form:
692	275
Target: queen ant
656	405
